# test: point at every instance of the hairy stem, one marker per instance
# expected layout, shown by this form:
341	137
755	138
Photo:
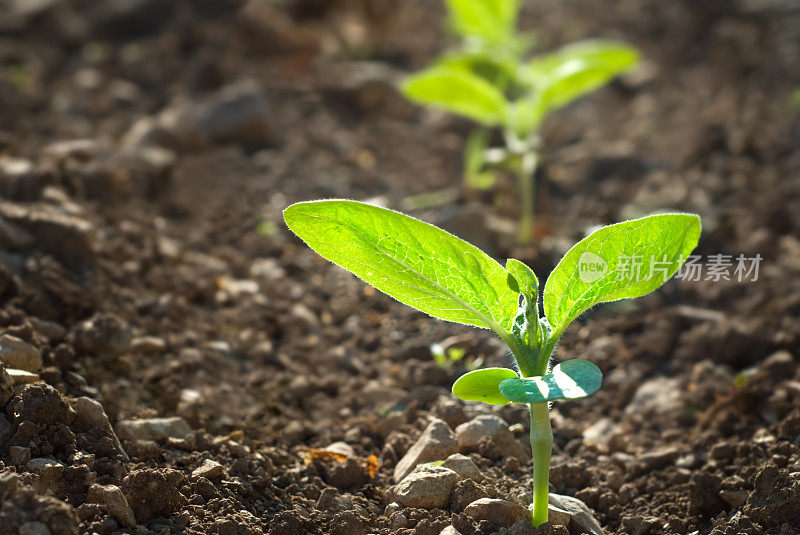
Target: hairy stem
542	448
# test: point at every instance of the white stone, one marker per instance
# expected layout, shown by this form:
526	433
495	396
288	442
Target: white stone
435	444
426	487
209	469
578	511
499	512
463	466
115	502
153	429
470	434
17	353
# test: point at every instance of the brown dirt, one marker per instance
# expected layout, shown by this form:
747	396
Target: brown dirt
133	187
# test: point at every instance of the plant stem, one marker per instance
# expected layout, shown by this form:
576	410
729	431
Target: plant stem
542	448
527	189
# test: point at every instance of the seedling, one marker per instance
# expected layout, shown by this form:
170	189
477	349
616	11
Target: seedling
435	272
492	80
447	358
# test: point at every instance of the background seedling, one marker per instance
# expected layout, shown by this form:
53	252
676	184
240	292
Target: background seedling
491	80
433	271
447	358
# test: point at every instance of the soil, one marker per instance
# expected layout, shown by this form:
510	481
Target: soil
146	152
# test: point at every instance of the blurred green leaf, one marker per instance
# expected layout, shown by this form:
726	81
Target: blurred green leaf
575	70
457	91
492	20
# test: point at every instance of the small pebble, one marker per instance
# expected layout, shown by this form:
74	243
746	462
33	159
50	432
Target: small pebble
209	469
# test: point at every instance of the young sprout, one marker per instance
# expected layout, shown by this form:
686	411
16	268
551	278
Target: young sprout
491	80
433	271
447	358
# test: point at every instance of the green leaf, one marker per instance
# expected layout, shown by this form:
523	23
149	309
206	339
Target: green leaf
619	261
524	280
457	91
575	70
572	379
527	328
482	385
492	20
414	262
498	67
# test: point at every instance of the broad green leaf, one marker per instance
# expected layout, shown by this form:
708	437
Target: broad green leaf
414	262
482	385
457	91
619	261
492	20
498	67
577	69
572	379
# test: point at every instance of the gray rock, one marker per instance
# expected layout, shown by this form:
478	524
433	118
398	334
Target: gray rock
237	113
104	335
638	525
16	353
735	498
426	487
504	444
48	471
435	444
20	455
148	345
34	528
579	513
661	395
659	458
21	377
114	500
90	413
499	512
449	530
600	434
153	429
463	466
20	180
209	469
67	237
558	516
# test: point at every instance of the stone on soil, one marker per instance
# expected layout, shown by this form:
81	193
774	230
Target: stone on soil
21	377
463	466
209	469
435	444
661	395
114	500
499	512
470	434
426	487
153	429
16	353
578	511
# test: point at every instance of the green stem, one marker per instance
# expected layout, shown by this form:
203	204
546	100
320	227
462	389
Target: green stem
527	187
542	448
